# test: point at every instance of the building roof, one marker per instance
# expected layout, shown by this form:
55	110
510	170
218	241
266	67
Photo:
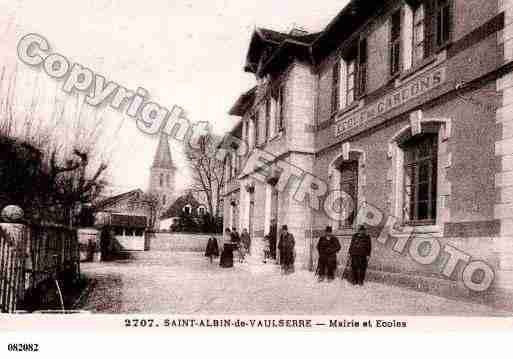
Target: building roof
244	102
271	51
265	42
110	201
163	157
176	208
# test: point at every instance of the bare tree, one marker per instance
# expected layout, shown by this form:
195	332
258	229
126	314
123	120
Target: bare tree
71	171
207	173
155	208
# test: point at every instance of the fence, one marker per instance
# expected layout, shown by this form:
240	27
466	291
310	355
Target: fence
31	255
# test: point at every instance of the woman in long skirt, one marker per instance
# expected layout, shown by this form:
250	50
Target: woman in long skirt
226	260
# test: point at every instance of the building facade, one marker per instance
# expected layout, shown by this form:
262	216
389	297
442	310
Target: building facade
404	107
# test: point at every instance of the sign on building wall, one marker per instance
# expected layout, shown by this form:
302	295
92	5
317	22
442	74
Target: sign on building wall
411	90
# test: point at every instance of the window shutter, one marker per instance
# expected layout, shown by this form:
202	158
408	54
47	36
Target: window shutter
395	43
430	27
362	67
282	107
335	86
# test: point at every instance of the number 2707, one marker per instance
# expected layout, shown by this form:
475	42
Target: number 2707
139	323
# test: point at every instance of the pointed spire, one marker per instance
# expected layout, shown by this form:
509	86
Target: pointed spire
162	157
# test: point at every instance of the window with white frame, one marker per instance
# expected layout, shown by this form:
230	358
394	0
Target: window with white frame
420	179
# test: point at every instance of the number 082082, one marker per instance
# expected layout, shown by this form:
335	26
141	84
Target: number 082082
23	347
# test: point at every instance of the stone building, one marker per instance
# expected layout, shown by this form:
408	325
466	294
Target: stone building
404	107
187	205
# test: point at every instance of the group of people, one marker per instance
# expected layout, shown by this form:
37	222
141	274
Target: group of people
328	247
232	242
359	252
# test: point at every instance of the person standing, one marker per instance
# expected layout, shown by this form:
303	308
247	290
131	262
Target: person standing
212	249
267	249
245	240
360	251
106	243
226	260
235	236
273	238
328	247
286	246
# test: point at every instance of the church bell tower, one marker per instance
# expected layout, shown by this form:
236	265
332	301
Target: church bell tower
162	174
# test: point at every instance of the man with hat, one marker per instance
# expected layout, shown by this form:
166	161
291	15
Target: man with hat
286	246
360	250
328	247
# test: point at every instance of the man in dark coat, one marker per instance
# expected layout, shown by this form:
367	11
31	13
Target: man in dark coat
328	247
212	249
106	243
273	238
360	250
286	247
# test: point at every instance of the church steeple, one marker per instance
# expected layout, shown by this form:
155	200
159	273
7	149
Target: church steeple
163	157
162	173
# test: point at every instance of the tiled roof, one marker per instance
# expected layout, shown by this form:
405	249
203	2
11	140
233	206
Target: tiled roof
279	37
243	103
107	202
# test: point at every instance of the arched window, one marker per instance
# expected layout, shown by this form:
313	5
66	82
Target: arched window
187	209
161	181
164	199
168	181
420	177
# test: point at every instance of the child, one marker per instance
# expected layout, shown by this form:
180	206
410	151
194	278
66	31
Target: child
267	248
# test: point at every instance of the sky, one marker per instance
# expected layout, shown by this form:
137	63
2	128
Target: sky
186	53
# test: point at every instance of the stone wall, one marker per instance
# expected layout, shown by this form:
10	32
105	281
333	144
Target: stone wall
180	242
